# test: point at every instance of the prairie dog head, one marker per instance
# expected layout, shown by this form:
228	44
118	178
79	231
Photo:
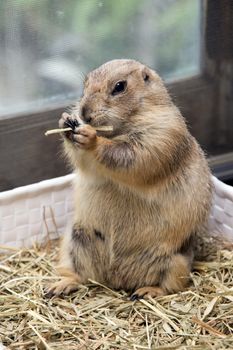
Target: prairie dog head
118	91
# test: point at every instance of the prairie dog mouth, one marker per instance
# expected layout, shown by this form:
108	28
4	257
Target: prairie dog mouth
74	123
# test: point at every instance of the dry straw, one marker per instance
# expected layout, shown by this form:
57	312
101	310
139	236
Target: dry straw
95	317
58	131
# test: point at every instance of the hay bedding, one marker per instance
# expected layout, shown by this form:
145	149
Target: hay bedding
96	317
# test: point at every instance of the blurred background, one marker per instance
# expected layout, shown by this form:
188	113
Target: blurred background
47	47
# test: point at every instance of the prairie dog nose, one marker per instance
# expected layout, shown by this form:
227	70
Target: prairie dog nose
85	114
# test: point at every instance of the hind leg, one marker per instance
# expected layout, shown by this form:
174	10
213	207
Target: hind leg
75	263
70	280
175	279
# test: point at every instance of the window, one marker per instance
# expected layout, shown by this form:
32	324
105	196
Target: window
46	48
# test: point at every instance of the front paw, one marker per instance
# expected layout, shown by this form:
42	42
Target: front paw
85	136
68	121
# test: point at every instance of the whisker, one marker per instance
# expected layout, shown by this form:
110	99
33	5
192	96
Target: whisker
112	114
83	76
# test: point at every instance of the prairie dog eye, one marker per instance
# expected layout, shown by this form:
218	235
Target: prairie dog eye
119	87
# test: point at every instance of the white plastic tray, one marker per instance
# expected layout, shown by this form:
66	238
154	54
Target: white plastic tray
29	213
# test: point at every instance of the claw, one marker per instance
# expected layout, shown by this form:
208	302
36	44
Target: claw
76	123
135	297
48	294
72	123
69	123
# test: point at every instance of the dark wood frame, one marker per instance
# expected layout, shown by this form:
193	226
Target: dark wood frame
205	101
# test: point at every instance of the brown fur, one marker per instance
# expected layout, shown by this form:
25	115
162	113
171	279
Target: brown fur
141	191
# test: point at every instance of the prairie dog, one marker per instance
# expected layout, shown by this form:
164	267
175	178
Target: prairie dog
142	191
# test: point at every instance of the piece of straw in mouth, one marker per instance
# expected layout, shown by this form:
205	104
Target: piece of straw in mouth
97	128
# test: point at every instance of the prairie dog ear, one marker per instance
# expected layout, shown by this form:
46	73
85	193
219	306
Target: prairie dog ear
146	74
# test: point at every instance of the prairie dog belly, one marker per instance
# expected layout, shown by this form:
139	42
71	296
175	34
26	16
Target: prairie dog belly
117	223
112	208
117	236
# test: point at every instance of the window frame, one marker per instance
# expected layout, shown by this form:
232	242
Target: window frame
41	158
